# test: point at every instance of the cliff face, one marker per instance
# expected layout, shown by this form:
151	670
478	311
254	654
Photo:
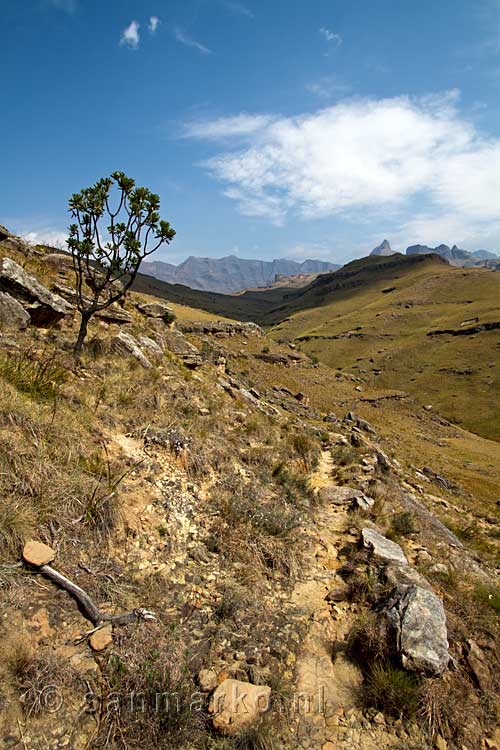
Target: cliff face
231	274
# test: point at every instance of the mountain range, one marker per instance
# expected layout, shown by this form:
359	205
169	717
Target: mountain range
231	274
454	255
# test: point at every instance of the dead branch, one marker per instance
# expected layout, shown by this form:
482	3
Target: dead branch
90	610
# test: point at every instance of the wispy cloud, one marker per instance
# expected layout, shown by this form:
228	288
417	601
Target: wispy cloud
188	41
68	6
46	236
227	127
130	35
236	7
154	22
331	36
327	87
377	157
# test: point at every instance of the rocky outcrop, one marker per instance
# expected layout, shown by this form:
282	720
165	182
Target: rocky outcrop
238	705
221	326
12	313
128	346
381	548
176	343
153	349
44	307
417	618
352	498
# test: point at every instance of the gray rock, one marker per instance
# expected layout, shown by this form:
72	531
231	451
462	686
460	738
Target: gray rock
44	307
16	245
399	573
4	233
127	345
382	548
157	310
347	496
59	261
153	349
419	622
221	326
114	314
12	313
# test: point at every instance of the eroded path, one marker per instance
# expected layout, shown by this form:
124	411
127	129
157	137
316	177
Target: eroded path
326	713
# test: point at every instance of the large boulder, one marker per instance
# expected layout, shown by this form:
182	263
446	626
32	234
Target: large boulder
237	705
12	313
44	307
418	622
128	346
382	548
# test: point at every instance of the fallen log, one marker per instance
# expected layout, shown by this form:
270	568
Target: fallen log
87	607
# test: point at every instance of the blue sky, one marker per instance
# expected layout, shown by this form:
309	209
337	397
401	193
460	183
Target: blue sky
269	128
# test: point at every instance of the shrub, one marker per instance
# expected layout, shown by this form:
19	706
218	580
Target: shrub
401	525
366	640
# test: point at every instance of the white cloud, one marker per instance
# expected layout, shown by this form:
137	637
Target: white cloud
130	36
154	22
47	236
331	36
184	38
237	7
226	127
363	158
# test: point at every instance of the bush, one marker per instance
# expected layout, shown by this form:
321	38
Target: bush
401	525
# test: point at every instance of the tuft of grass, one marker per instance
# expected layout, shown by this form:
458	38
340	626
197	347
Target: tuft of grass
391	690
40	377
402	525
366	641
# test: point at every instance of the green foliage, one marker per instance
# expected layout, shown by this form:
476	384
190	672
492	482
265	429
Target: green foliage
108	267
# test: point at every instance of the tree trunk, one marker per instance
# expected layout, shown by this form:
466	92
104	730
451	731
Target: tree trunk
82	333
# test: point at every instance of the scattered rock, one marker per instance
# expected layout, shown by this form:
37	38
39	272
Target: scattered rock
127	345
12	313
379	719
440	743
238	705
382	548
339	594
15	244
102	638
38	553
44	307
419	622
4	233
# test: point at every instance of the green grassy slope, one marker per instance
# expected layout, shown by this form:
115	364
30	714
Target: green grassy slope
374	320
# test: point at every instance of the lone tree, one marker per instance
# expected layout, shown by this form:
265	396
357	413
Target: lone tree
106	259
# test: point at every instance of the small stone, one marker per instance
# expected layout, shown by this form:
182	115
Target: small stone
208	680
328	746
38	553
379	719
440	743
102	638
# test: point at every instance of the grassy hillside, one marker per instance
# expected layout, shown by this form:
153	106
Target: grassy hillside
377	316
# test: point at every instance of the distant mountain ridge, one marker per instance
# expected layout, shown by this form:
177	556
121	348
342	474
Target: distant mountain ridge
454	255
231	274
